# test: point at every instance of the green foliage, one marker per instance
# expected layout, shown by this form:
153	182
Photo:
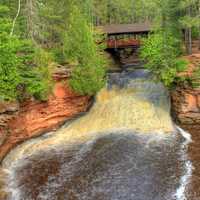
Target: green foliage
3	10
58	55
195	33
88	79
181	65
64	28
161	57
195	79
80	47
21	74
126	11
9	63
35	72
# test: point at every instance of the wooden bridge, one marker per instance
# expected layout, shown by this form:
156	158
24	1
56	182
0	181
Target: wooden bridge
121	36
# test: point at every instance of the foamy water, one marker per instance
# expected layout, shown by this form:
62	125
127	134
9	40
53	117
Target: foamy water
188	167
126	141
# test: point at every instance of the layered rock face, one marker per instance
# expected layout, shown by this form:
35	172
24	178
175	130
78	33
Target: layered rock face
21	122
186	108
7	113
186	100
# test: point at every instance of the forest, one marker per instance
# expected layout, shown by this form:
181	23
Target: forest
36	35
82	120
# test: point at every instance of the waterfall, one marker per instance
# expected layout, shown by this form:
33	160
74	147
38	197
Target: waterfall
125	147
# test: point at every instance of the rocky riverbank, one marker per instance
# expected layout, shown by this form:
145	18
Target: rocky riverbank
20	122
186	108
186	100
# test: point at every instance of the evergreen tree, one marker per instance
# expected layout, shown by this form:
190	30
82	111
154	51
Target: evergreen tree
20	73
88	75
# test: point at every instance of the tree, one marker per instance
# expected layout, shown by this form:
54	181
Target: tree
126	11
190	20
88	75
31	11
21	74
162	60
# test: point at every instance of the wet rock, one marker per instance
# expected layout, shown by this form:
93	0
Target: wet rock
186	106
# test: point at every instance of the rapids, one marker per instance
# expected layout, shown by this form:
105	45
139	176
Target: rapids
126	147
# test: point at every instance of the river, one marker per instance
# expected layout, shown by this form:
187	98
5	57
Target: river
125	148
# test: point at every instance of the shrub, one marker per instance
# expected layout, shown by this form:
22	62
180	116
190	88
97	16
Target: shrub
58	55
160	54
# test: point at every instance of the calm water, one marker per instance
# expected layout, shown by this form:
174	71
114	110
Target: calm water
125	148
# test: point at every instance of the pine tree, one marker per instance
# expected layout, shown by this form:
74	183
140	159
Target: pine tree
88	75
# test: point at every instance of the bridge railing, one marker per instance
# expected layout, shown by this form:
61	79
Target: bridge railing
122	43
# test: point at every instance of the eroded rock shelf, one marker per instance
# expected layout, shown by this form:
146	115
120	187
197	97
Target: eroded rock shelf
19	123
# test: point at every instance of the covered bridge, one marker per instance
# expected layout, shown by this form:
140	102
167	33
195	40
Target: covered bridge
125	35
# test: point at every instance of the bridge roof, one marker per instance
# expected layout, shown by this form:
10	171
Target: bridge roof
113	29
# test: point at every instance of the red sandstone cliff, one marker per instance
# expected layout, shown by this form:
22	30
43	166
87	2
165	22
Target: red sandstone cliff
186	100
21	122
186	107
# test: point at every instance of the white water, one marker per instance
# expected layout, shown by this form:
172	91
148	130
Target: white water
185	179
140	109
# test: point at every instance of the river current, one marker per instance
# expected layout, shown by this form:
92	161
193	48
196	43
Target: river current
125	148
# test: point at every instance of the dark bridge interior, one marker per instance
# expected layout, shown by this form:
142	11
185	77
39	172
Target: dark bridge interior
123	41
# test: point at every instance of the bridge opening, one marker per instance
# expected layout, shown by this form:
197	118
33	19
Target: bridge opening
124	40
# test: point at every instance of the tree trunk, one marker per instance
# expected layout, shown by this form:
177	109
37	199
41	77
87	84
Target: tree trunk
189	35
15	19
190	41
186	39
33	21
199	37
199	25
